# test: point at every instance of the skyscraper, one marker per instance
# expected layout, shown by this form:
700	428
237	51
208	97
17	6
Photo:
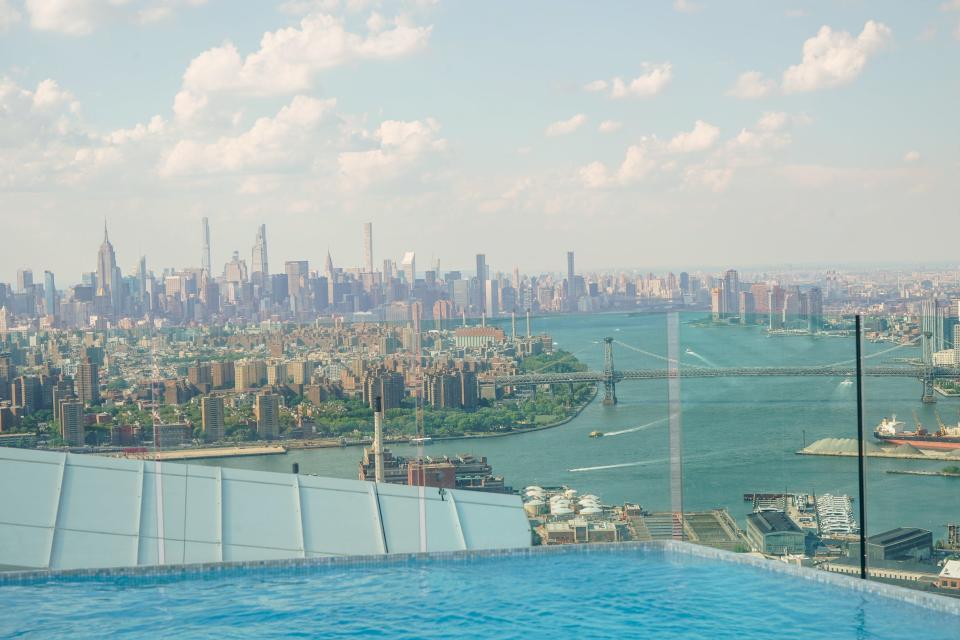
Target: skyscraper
481	282
205	254
731	291
815	310
267	410
409	267
87	382
142	279
328	267
259	263
24	280
368	247
211	414
573	289
297	273
49	294
491	296
106	266
71	422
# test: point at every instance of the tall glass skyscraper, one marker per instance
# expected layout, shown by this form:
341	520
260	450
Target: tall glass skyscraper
49	294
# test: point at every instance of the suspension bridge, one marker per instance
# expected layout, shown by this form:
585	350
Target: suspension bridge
925	372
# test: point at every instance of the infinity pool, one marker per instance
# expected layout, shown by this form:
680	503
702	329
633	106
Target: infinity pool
629	592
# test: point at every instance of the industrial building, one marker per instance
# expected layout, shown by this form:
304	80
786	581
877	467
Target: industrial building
902	543
774	533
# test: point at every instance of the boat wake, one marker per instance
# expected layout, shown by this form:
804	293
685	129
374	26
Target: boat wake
617	466
632	429
700	456
694	354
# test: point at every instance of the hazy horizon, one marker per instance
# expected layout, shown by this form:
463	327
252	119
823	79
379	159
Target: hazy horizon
685	133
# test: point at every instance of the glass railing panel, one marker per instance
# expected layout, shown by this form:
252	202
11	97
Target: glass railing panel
912	444
762	396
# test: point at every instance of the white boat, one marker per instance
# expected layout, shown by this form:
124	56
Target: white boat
425	440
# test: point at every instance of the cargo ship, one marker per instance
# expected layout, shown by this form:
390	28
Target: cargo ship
892	430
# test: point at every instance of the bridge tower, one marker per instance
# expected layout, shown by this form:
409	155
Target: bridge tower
926	375
609	378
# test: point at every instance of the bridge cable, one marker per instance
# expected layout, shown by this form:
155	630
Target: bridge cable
641	351
873	355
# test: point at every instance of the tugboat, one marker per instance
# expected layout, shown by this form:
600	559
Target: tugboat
596	434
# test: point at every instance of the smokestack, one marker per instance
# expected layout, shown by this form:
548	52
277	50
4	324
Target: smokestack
513	325
528	323
463	314
483	319
378	439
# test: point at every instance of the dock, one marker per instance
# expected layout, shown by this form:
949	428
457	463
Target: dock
848	447
205	453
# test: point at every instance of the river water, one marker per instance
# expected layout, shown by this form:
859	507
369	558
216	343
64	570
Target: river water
740	434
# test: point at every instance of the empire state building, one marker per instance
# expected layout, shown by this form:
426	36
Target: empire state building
106	266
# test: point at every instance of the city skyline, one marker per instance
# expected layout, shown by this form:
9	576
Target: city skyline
208	253
596	130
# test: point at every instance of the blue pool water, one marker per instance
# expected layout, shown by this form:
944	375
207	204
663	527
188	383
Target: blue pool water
606	594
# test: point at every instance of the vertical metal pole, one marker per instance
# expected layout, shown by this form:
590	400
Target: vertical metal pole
861	454
378	439
676	423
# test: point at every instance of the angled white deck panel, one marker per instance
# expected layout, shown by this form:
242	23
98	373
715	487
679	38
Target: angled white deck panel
85	511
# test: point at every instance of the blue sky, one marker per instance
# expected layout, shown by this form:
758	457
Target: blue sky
626	131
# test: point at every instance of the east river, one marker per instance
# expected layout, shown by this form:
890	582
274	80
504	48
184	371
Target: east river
740	434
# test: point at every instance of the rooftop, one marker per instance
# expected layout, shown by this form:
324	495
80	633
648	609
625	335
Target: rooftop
900	534
773	522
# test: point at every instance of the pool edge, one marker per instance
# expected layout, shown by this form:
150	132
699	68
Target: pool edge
923	599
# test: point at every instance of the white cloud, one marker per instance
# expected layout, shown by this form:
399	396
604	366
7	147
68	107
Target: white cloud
636	165
653	80
950	5
716	179
795	13
751	85
41	115
82	17
686	6
72	17
563	127
43	140
376	22
832	58
772	131
303	7
650	83
609	126
138	132
154	14
271	143
49	95
911	156
9	15
289	59
401	146
702	137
